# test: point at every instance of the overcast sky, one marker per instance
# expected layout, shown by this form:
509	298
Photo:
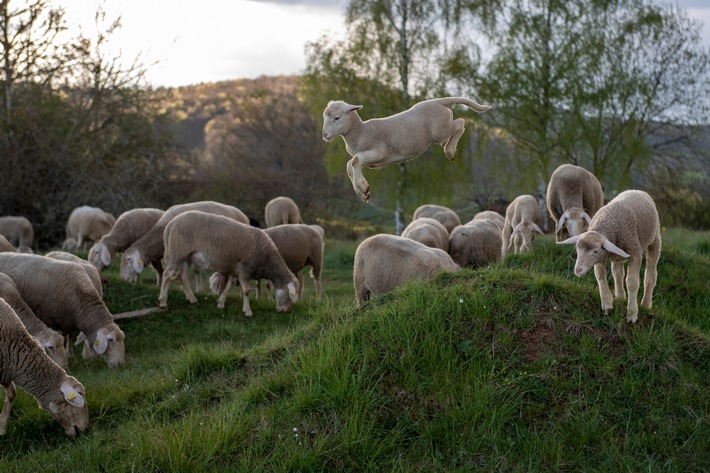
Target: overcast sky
212	40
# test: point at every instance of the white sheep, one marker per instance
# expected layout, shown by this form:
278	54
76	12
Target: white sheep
447	217
428	231
5	245
91	271
398	138
623	229
50	340
61	294
384	262
522	220
300	246
280	210
86	223
476	244
491	215
22	361
150	247
18	231
234	249
573	197
129	227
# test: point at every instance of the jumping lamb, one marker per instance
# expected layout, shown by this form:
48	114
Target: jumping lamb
574	195
522	220
22	361
234	249
623	229
384	262
476	244
447	217
61	294
398	138
429	232
86	223
18	231
280	210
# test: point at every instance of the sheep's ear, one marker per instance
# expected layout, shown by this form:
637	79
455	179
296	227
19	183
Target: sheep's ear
612	248
80	338
516	230
71	395
292	293
352	108
569	241
586	217
137	262
561	222
538	229
101	342
215	282
105	255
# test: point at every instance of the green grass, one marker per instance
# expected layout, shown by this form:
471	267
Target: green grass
509	368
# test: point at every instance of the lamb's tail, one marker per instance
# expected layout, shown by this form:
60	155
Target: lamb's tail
475	106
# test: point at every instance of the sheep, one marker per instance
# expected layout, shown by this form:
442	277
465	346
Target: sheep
429	232
447	217
491	215
398	138
6	245
522	219
476	244
129	227
300	246
150	247
384	262
24	362
573	197
50	340
229	247
280	210
18	231
91	271
319	229
86	223
61	294
623	229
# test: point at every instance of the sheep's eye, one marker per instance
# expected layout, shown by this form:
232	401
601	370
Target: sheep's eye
336	118
49	347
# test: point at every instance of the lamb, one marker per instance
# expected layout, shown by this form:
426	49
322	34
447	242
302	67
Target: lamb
491	215
280	210
130	226
231	248
61	294
91	271
18	231
476	244
398	138
623	229
574	195
150	247
22	361
50	340
86	223
522	219
447	217
6	245
384	262
429	232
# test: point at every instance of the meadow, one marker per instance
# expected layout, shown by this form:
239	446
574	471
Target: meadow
507	368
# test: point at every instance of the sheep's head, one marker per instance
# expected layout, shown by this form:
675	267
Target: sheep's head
109	344
526	230
575	221
99	256
286	296
68	406
592	248
53	345
338	118
131	265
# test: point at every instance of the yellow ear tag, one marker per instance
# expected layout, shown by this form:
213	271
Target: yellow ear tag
97	342
292	291
140	261
71	396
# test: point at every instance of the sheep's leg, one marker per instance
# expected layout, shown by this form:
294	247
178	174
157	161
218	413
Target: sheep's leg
269	290
168	276
617	271
315	274
506	240
604	292
158	266
223	295
450	145
653	253
185	281
246	308
198	280
360	184
299	276
632	286
10	393
368	159
68	347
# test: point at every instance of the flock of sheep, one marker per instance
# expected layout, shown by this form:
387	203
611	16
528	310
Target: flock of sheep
45	299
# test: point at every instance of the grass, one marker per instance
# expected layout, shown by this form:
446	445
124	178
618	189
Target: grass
509	368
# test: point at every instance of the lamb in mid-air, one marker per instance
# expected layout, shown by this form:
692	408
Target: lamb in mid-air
398	138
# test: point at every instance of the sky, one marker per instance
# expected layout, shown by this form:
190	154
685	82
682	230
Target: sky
186	42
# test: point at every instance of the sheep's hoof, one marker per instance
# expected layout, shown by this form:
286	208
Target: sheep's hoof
248	314
632	318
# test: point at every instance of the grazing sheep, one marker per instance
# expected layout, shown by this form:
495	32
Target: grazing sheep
491	215
280	210
61	294
384	262
522	220
623	229
398	138
476	244
234	249
150	247
22	361
130	226
6	245
91	271
573	197
300	246
49	340
86	223
428	231
447	217
18	231
319	229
